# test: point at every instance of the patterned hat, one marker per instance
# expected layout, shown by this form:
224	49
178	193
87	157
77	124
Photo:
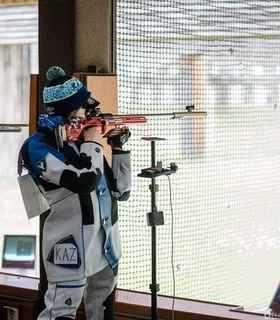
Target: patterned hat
63	94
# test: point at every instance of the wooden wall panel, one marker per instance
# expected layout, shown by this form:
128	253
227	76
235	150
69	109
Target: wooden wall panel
94	34
33	103
104	88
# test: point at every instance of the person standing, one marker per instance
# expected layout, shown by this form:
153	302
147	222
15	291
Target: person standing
81	245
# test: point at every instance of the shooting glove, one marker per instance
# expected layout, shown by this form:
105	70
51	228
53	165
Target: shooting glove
118	137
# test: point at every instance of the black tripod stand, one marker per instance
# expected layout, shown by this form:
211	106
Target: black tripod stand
155	217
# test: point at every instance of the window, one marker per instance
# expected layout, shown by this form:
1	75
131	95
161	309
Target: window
18	59
226	191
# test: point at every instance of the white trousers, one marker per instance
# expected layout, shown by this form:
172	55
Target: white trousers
62	299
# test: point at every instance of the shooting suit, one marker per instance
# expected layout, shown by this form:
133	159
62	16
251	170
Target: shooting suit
81	245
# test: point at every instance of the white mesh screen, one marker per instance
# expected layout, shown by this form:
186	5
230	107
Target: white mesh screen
223	57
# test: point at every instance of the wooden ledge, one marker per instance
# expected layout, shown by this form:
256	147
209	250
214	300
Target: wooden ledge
136	303
19	286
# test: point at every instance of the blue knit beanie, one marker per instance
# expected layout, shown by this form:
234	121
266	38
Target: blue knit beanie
63	94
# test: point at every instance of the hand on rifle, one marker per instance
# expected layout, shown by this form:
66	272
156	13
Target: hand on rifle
118	137
92	134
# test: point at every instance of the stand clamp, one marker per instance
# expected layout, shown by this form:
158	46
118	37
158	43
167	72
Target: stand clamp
158	170
155	218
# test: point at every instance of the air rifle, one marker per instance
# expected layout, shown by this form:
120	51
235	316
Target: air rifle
71	128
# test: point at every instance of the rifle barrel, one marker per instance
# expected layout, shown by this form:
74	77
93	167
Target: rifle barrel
173	115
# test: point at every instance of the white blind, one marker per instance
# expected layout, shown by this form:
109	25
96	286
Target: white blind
18	24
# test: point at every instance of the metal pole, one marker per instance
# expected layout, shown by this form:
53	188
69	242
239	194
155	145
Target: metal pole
154	285
155	217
